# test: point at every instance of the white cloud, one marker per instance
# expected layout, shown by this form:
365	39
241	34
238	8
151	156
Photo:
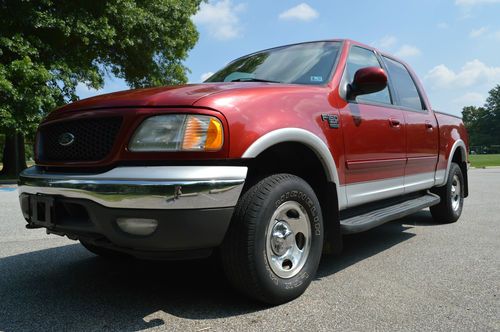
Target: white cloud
406	51
472	73
475	33
302	12
470	99
204	76
474	2
390	42
441	76
443	25
111	84
386	42
220	18
83	91
485	32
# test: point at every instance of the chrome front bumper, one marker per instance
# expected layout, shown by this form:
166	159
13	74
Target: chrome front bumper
148	187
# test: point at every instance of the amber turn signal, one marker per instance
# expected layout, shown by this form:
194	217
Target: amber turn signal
202	133
214	135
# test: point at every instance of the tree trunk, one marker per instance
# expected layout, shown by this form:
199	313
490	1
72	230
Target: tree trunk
14	158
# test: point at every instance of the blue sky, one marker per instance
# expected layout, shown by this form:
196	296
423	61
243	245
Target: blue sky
453	45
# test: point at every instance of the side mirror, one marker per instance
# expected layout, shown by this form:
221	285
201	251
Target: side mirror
367	80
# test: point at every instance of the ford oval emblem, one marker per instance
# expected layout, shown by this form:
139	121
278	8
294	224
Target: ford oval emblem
66	139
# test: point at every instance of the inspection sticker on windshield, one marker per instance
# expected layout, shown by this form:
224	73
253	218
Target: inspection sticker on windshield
316	78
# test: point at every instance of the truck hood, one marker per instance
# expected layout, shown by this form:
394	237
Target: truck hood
182	95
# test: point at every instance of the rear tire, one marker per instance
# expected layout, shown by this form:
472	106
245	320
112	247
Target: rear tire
273	246
452	197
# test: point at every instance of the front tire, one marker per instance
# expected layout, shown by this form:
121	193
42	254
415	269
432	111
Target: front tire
452	197
273	246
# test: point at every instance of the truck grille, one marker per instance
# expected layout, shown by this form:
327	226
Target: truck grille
78	140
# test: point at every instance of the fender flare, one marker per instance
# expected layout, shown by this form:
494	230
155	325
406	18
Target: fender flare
310	140
459	144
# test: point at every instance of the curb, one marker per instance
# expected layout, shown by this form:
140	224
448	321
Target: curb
13	181
486	167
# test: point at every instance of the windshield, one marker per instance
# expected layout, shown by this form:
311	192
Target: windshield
308	63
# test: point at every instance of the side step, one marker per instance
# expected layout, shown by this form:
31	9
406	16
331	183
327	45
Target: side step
374	218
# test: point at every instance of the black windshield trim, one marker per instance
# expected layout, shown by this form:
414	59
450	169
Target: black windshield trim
252	79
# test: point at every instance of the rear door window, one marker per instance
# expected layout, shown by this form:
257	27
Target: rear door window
404	85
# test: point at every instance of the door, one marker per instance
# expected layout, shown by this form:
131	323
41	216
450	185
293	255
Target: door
421	129
374	139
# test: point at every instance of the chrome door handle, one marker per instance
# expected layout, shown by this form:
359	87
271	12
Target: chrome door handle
394	122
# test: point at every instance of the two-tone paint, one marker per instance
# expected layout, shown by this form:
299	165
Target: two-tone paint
377	151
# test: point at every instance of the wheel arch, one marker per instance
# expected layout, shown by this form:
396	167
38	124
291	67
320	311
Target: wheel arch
458	155
298	135
302	153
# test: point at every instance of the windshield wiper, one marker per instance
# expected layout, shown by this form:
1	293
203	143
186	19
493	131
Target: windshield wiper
251	79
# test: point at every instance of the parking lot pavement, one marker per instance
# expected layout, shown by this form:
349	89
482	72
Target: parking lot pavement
410	274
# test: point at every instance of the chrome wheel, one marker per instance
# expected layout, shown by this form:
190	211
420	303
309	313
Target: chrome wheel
455	193
288	239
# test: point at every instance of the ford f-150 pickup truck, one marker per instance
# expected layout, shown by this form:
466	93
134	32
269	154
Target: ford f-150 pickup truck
268	162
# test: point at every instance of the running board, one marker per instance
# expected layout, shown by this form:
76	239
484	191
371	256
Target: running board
380	216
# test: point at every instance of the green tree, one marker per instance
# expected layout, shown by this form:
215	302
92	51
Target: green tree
475	120
492	106
48	47
483	123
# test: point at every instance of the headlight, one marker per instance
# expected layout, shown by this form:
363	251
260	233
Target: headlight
178	132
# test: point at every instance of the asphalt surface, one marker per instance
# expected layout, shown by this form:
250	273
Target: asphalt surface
410	274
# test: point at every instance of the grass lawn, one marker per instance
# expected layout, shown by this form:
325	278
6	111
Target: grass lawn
484	160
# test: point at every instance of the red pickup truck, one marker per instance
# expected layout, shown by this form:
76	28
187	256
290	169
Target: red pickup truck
269	162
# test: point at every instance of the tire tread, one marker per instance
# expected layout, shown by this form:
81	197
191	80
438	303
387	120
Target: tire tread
238	260
443	212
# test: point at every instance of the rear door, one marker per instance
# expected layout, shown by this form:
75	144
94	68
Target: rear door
374	138
421	128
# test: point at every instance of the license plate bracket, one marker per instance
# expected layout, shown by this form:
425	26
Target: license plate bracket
42	210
